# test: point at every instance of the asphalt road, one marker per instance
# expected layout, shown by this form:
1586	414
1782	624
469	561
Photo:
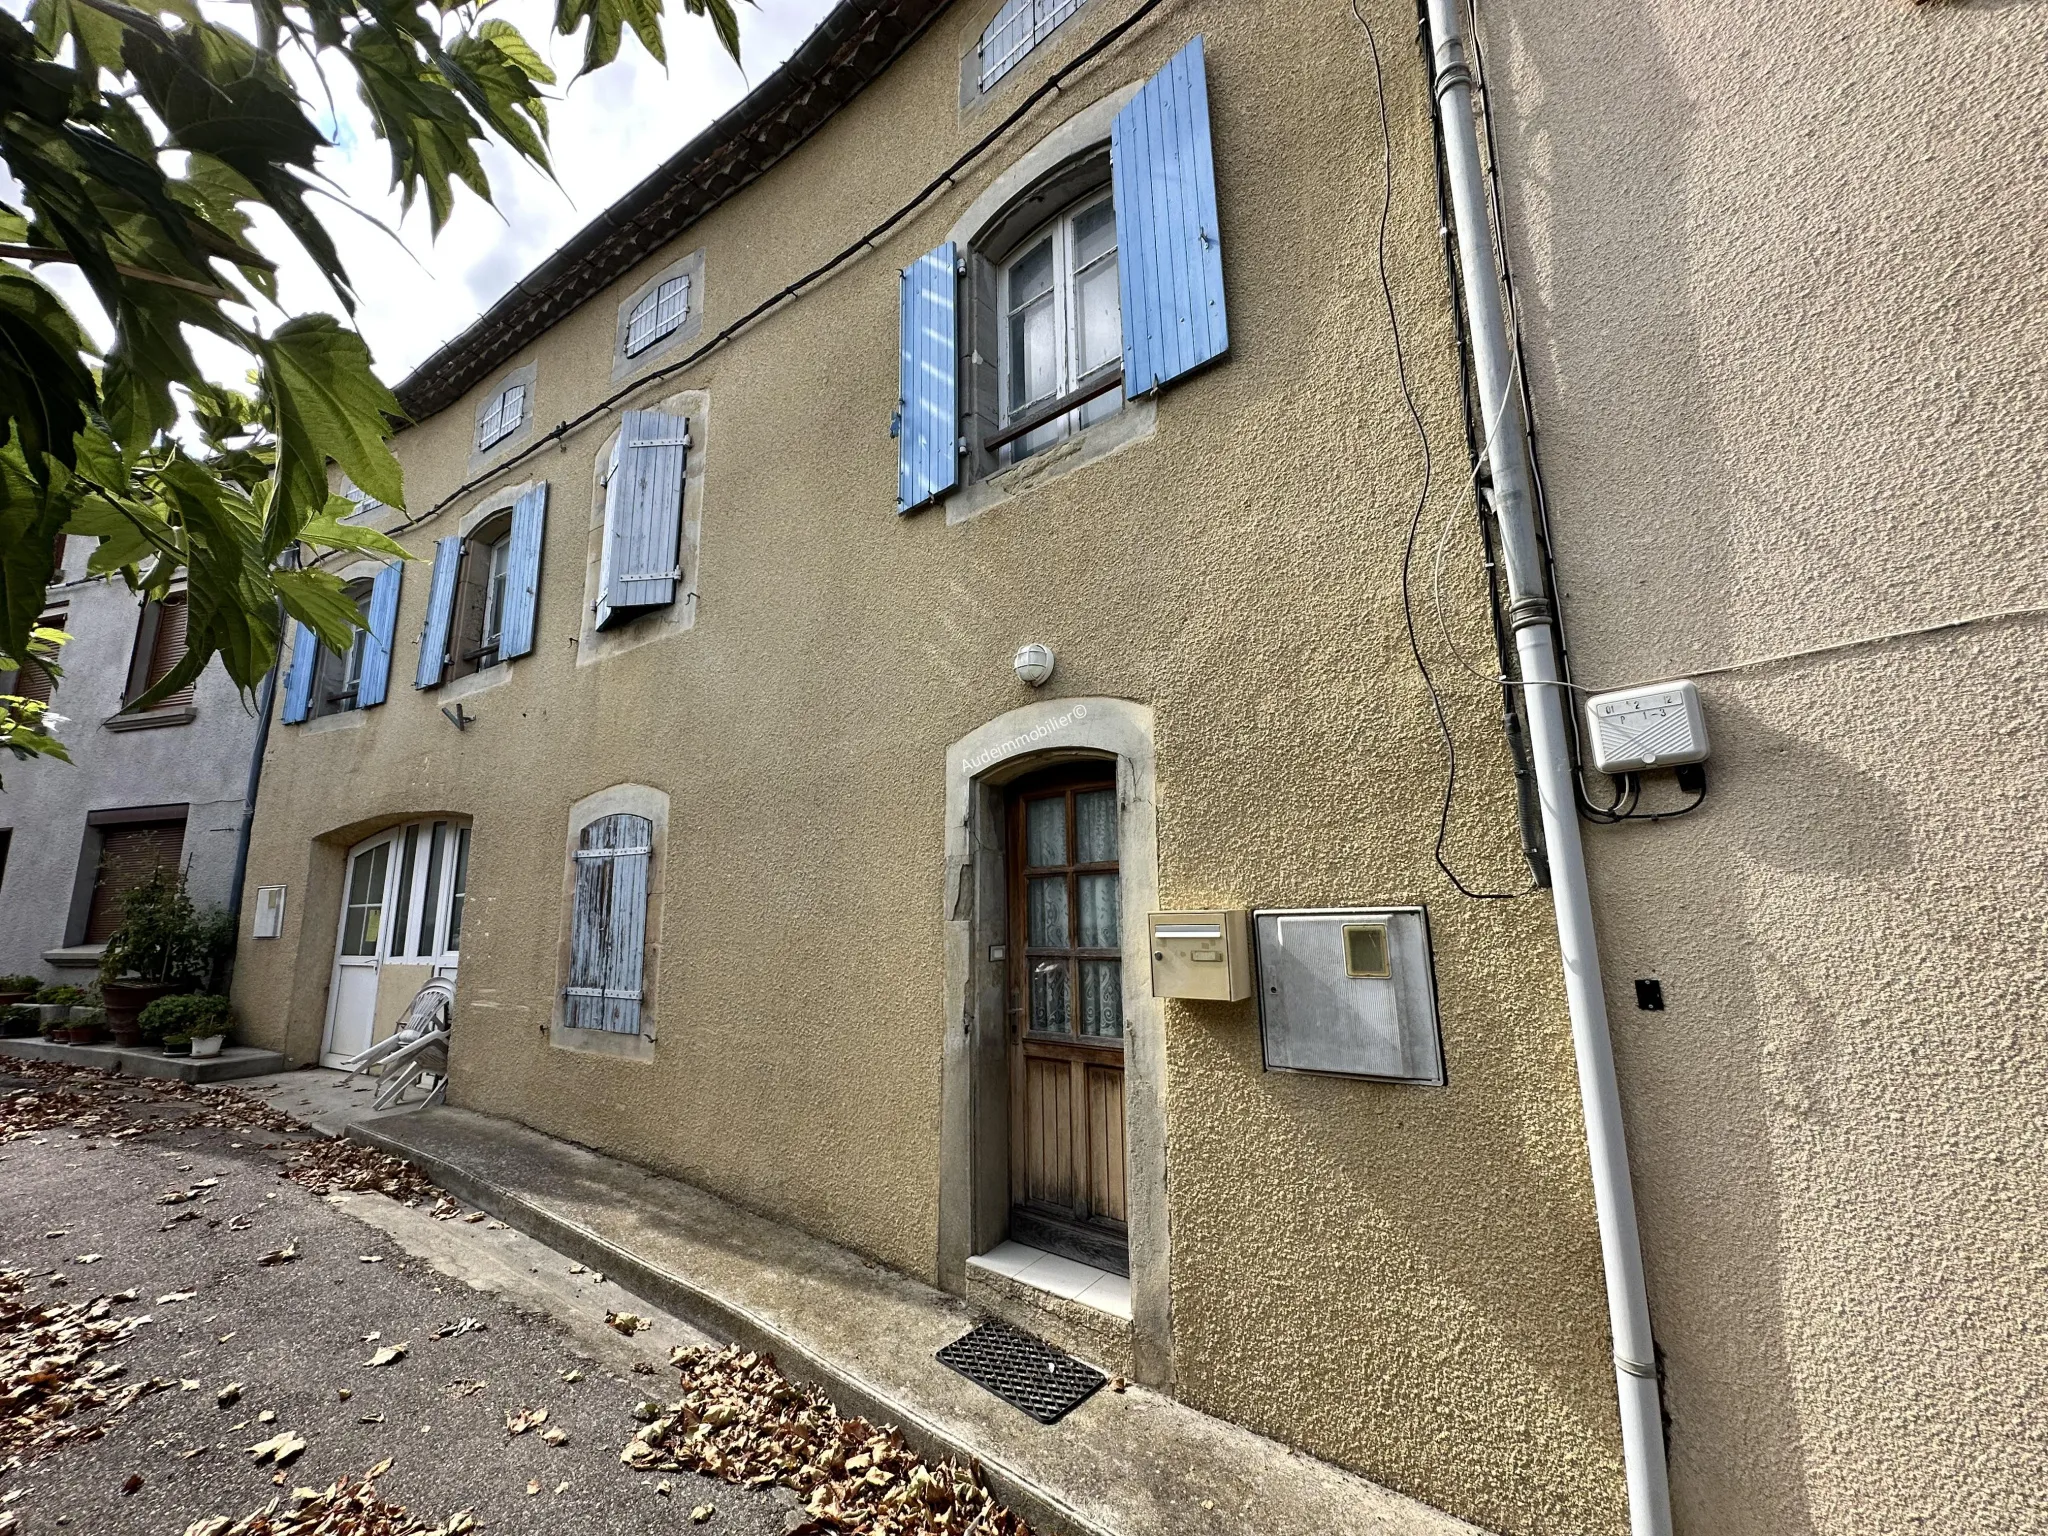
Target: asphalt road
296	1335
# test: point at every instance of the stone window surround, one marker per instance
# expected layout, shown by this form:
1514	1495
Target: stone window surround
481	458
631	800
973	97
594	645
690	266
974	1198
498	673
1086	130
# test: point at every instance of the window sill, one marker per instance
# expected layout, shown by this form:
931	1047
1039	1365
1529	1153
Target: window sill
75	956
151	719
1133	424
340	720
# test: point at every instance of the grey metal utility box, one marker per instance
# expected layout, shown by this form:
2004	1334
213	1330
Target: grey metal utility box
1349	991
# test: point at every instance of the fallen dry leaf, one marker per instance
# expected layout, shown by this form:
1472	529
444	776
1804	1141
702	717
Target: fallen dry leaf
282	1255
279	1450
228	1395
131	1484
346	1507
528	1418
390	1354
702	1513
741	1420
175	1296
628	1323
555	1435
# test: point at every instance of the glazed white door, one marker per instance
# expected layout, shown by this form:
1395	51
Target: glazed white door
430	887
358	950
402	899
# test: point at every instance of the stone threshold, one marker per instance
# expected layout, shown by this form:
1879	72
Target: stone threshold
1125	1463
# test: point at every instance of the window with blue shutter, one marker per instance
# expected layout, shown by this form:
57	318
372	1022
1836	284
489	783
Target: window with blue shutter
928	380
522	574
641	566
1168	239
298	677
608	926
440	612
375	679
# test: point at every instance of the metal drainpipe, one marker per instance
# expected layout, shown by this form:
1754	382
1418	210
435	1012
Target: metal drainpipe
1532	617
267	699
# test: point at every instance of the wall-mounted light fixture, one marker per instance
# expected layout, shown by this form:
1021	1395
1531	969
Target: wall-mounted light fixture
1034	663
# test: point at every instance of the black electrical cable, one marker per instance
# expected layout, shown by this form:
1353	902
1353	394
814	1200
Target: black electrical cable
944	180
1443	723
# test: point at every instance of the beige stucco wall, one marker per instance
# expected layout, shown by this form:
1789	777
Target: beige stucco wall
1403	1280
1786	328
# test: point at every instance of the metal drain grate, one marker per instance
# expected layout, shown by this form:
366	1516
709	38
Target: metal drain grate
1024	1372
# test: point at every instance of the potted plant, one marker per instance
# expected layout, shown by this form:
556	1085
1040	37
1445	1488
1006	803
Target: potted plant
56	1003
164	945
87	1024
20	1021
177	1045
196	1019
18	989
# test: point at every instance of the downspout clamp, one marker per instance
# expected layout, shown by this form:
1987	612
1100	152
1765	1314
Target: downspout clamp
1533	618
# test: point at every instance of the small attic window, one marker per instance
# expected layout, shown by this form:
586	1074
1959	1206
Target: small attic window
502	417
1019	27
661	312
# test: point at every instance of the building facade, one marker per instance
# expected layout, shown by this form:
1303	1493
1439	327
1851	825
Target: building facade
162	786
690	741
1783	326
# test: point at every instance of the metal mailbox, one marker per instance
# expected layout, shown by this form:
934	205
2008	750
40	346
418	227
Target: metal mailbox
1349	991
1201	955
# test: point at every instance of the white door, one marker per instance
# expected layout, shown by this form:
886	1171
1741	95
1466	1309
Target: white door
352	1000
432	881
401	905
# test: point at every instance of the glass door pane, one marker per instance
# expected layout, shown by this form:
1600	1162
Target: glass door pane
363	923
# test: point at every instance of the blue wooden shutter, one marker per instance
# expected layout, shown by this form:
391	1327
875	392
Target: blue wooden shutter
440	612
522	574
928	381
643	516
1169	245
376	677
298	677
608	927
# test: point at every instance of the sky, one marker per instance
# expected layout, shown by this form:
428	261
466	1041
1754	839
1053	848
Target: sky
607	131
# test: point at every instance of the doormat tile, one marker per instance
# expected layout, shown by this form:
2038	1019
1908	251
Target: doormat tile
1024	1372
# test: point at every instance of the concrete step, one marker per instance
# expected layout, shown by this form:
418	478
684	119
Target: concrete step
1122	1464
146	1061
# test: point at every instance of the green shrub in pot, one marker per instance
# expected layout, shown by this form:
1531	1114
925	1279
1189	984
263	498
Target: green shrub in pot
20	1021
19	988
195	1015
177	1045
69	996
163	937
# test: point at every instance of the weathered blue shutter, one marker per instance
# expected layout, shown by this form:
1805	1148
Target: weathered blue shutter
608	927
522	574
298	677
1169	244
928	381
643	516
376	678
440	612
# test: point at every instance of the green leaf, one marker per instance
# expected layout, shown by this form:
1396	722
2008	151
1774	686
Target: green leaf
328	531
318	600
327	403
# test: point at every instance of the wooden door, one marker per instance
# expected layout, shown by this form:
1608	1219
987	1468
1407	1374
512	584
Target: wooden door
1067	1182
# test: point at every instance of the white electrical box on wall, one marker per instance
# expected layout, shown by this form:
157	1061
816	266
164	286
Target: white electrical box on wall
1636	728
1349	991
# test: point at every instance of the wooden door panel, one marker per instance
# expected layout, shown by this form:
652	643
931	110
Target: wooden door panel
1106	1143
1049	1133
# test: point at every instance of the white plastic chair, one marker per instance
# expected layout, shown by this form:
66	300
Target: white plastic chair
418	1048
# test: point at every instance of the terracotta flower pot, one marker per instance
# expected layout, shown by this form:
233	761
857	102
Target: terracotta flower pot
125	1001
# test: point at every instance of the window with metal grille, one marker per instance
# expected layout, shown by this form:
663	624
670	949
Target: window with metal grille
503	416
657	314
608	926
1019	27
